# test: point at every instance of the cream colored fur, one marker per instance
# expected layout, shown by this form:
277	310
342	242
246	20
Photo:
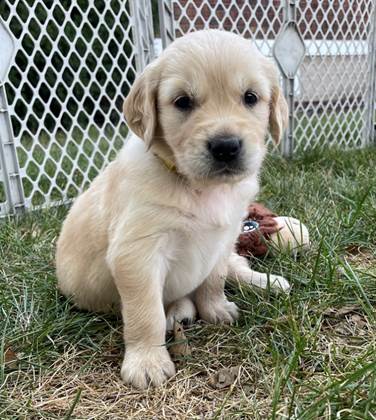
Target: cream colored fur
154	241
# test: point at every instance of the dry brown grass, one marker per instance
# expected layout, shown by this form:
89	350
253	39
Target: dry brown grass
93	389
189	394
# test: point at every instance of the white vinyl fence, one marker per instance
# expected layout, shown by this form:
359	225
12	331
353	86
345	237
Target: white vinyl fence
66	67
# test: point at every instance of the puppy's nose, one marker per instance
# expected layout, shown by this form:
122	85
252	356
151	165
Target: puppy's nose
225	148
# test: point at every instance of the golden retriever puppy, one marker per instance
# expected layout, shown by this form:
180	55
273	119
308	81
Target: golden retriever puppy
155	232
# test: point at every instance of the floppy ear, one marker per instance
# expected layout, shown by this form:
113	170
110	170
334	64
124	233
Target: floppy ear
279	114
140	106
279	110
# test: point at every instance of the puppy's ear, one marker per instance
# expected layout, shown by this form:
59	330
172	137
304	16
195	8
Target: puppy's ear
279	110
140	106
279	114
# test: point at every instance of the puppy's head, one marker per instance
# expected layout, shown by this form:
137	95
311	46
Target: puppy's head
206	104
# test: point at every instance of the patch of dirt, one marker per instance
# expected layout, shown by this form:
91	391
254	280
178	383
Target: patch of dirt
10	358
225	377
361	256
348	321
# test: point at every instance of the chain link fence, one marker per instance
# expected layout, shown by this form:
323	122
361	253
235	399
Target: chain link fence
67	67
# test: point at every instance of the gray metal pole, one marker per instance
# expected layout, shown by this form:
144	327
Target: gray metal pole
370	128
289	51
166	22
15	199
287	145
142	16
288	85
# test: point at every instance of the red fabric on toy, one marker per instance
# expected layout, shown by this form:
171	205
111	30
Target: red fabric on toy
254	242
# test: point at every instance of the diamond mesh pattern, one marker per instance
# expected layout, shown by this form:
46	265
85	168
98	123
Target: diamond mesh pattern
332	82
256	19
74	65
334	77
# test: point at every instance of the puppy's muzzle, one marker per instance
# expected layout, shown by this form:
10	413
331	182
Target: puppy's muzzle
225	149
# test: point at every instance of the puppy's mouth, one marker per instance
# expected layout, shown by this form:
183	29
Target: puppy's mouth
227	170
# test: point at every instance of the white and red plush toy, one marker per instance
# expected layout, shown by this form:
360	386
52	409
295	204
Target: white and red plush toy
265	233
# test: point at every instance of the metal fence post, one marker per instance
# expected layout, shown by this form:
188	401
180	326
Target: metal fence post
289	52
15	201
370	126
166	21
288	88
287	145
143	35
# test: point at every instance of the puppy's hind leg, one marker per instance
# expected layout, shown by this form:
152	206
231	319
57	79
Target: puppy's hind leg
238	269
181	310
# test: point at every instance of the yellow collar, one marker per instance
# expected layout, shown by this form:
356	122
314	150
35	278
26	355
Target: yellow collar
168	164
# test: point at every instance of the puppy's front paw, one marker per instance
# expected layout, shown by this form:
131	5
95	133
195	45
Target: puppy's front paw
279	283
144	367
219	311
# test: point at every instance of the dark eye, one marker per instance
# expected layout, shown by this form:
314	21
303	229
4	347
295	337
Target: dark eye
184	103
250	98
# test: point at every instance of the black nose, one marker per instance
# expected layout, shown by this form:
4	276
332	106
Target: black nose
225	148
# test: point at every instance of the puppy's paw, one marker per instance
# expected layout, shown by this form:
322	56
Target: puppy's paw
279	283
219	311
144	367
183	310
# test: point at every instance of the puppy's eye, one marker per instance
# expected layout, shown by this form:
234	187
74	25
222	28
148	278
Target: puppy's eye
184	103
250	98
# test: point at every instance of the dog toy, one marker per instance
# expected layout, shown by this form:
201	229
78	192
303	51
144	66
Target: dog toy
263	232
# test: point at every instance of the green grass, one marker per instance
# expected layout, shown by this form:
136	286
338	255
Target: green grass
300	356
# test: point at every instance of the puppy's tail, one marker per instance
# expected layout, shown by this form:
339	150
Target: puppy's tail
239	270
